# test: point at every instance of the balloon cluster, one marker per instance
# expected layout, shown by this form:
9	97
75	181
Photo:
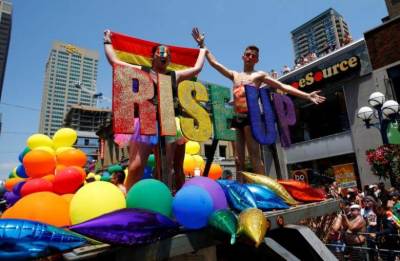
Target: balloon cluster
193	164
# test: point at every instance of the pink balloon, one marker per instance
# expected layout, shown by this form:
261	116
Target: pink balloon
68	180
36	185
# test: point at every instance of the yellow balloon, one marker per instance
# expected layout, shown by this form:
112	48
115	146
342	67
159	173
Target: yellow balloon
95	199
199	160
62	149
192	147
45	148
126	174
253	224
64	137
97	177
39	140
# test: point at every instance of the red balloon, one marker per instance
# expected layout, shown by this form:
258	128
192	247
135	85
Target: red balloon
215	171
38	163
67	181
36	185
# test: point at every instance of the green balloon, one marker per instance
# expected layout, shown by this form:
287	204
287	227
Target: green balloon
114	168
150	194
393	133
12	175
225	221
105	176
151	162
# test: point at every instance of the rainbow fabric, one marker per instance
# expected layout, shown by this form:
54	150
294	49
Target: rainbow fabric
137	51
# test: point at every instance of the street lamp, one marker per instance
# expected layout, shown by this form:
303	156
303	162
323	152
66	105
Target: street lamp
385	112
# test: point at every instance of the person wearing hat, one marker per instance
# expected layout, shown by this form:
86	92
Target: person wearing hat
354	226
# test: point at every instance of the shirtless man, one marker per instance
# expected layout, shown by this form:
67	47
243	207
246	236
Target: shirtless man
141	147
249	76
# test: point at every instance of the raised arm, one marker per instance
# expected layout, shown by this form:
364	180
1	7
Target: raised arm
199	38
110	53
189	73
313	96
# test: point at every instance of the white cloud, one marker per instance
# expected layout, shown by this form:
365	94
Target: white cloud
6	167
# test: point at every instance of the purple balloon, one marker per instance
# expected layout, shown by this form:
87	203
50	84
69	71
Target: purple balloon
17	188
213	188
128	227
11	198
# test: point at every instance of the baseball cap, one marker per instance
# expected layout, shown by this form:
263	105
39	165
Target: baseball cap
355	206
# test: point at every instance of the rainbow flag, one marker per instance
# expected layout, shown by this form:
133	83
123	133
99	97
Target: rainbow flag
137	51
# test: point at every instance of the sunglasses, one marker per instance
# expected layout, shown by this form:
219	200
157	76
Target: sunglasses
252	55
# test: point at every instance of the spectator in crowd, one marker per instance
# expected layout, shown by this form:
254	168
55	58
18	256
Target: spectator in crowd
285	70
370	217
354	226
346	39
274	74
118	179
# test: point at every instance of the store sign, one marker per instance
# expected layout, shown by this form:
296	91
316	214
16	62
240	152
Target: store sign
344	175
102	145
300	175
339	68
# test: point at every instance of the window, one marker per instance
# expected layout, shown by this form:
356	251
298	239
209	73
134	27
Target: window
208	151
222	151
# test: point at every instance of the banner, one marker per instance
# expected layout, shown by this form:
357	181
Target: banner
345	175
139	52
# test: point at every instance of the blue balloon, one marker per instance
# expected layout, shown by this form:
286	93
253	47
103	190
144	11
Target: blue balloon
23	153
148	173
240	197
21	171
106	176
224	183
17	188
29	239
266	199
192	207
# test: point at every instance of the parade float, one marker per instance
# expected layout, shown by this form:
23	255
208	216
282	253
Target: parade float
54	208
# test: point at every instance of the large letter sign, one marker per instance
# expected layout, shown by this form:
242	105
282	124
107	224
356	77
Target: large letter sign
133	87
262	126
284	108
198	127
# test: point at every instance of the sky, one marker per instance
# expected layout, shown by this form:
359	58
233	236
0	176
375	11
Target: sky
229	26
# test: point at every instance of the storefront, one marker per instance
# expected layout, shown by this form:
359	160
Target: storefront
328	140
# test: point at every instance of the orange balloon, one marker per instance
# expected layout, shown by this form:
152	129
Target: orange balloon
46	207
67	197
72	157
188	165
39	163
10	183
49	177
59	168
215	171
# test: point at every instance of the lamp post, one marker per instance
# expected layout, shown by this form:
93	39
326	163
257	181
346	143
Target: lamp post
384	111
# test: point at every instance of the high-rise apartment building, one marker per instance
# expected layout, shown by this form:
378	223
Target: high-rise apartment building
67	68
324	32
5	33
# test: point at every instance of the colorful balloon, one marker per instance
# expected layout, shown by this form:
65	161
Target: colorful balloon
21	171
212	187
28	239
11	198
192	147
38	163
10	183
49	178
272	185
48	149
266	199
64	137
17	188
62	149
150	194
240	197
36	185
192	206
128	227
45	207
68	197
113	168
225	221
189	164
95	199
199	161
302	191
106	176
151	161
72	157
393	133
23	153
38	140
68	180
215	171
253	224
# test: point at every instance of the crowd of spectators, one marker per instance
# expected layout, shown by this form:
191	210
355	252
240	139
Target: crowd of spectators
367	220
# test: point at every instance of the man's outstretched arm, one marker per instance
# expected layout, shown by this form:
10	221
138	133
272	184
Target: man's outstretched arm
313	96
110	53
199	38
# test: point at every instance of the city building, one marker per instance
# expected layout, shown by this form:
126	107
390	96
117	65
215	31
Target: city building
328	140
320	35
70	79
87	121
5	33
393	7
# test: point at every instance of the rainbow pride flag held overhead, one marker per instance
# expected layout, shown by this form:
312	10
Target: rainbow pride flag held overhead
137	51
